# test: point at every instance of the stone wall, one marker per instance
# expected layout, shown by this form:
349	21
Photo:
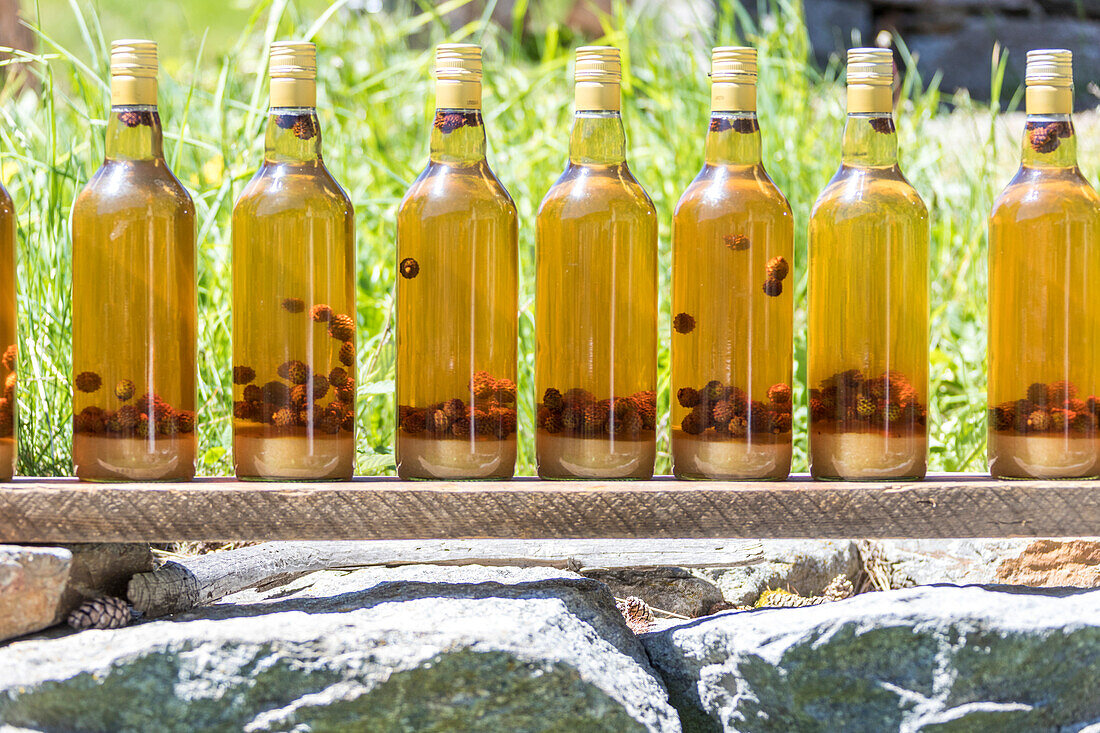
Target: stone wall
957	37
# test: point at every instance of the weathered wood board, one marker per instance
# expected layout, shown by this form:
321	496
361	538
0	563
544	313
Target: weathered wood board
63	510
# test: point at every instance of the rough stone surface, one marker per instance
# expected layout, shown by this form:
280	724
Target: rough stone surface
801	566
932	658
101	569
1054	563
408	649
32	580
665	589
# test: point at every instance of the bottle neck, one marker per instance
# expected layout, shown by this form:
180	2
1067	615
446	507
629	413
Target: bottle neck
1049	142
597	138
733	139
293	136
134	133
870	141
458	136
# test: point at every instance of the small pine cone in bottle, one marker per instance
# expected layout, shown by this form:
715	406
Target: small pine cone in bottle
124	390
1038	393
1038	421
882	125
1004	416
276	393
131	118
645	403
781	422
168	424
87	381
483	385
348	422
736	242
892	412
243	374
1059	419
629	425
320	313
553	400
337	376
720	124
541	415
346	391
713	391
252	393
460	428
577	397
780	393
409	268
440	422
105	612
341	327
293	305
553	424
1061	392
865	406
89	420
572	418
595	417
1073	404
683	323
817	409
695	422
454	408
242	410
297	372
413	422
687	397
1042	138
448	122
185	419
506	391
319	386
1084	422
482	425
738	426
126	418
331	419
777	268
285	417
8	359
505	421
347	353
299	397
721	413
773	287
305	128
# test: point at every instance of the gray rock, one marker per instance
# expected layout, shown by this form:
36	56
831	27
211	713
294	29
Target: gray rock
32	581
665	589
921	562
408	649
802	566
920	659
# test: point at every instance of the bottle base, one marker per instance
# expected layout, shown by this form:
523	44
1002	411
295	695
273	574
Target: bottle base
293	458
867	456
708	458
567	457
455	458
1043	457
102	458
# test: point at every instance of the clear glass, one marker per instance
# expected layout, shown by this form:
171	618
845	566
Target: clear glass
1044	324
732	305
8	339
293	312
457	310
596	320
134	312
868	314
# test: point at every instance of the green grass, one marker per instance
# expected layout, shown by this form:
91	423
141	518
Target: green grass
375	106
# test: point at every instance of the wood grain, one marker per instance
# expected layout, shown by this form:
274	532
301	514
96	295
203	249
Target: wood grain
63	510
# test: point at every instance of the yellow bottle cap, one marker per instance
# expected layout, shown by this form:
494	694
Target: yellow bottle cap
733	77
1049	82
133	72
458	76
870	81
293	72
597	75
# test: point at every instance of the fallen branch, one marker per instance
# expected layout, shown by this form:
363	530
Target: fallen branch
182	584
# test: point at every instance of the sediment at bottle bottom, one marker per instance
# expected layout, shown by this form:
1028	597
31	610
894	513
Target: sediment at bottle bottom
456	458
110	458
867	456
294	457
7	458
567	457
1043	456
704	456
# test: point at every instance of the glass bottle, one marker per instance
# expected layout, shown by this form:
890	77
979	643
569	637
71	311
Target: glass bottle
294	362
1044	324
134	297
8	340
596	297
732	304
457	295
868	311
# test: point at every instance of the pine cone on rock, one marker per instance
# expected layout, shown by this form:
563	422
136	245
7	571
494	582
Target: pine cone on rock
636	612
105	612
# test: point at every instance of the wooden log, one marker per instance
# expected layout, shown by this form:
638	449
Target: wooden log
63	510
188	582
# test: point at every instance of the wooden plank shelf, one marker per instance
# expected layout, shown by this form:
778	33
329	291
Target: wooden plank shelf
945	505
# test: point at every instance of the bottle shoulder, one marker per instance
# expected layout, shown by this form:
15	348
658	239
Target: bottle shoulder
854	191
282	187
1040	189
444	188
147	185
582	189
730	189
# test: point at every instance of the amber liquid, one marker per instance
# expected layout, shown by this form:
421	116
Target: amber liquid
1044	323
596	313
868	315
731	339
134	313
7	336
294	313
457	305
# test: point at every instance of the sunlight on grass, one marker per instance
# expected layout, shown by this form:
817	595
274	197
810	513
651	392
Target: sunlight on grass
375	107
